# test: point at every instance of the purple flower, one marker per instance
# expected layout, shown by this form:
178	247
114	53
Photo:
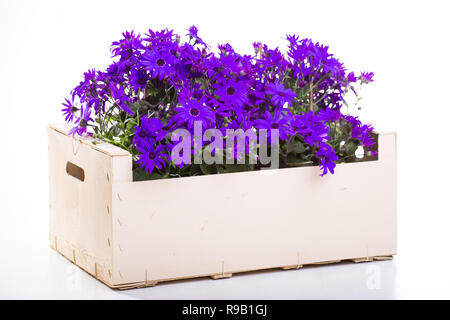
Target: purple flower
279	122
115	72
177	83
151	129
310	127
159	63
138	79
360	131
330	115
159	37
119	97
126	47
327	158
144	132
178	159
280	95
351	77
151	157
82	122
366	77
69	110
221	110
194	110
193	34
232	93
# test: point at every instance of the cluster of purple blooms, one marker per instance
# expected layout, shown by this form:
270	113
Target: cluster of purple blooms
158	84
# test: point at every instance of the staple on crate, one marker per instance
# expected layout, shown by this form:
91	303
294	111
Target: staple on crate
222	275
75	152
297	266
148	283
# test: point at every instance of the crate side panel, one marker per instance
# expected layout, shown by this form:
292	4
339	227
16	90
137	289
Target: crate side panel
80	211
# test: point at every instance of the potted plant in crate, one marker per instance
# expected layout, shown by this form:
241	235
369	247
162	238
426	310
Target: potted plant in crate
182	162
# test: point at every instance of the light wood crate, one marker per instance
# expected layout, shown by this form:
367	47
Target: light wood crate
133	234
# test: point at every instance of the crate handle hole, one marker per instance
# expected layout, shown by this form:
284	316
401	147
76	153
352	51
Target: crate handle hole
74	171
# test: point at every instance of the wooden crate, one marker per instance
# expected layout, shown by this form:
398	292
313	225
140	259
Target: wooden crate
132	234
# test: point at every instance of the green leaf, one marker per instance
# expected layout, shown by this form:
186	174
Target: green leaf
298	160
350	147
139	174
230	168
296	147
208	169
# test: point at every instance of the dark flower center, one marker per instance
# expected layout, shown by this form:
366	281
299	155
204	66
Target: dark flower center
231	91
295	128
151	155
142	134
281	94
142	80
194	112
160	62
83	123
275	126
73	109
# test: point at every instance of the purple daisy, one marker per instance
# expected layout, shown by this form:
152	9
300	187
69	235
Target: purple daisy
221	110
69	110
360	131
126	46
233	93
279	122
310	127
280	95
177	158
82	122
138	79
119	96
366	77
351	77
330	115
159	63
194	110
151	157
152	129
327	158
143	133
193	34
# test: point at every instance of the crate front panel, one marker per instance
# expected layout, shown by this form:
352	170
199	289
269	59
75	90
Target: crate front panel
217	224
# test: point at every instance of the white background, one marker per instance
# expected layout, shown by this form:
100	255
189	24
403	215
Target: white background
45	46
